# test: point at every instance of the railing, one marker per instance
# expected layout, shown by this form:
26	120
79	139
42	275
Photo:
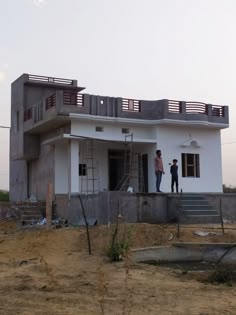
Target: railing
174	106
73	99
218	111
196	108
40	78
129	105
28	114
50	101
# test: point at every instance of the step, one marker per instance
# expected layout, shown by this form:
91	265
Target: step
31	212
199	212
192	197
196	207
25	216
194	202
197	219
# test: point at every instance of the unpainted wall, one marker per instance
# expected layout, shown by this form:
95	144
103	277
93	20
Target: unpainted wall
139	207
105	206
41	172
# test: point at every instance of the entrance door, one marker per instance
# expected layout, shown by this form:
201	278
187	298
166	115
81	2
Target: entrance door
145	171
116	167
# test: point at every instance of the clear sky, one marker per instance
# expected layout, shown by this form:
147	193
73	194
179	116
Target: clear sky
142	49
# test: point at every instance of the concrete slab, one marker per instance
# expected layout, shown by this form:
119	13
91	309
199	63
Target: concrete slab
216	253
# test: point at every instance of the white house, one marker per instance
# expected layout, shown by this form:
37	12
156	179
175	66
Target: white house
85	143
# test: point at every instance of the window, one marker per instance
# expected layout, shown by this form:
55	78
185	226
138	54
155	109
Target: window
82	169
190	165
125	130
99	129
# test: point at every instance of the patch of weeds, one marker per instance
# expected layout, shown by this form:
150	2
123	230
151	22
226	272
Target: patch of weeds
4	196
222	275
121	240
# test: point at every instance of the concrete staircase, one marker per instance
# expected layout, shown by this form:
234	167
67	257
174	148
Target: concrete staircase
31	213
195	209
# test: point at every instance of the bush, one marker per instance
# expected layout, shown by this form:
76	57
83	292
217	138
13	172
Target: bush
222	274
120	242
4	196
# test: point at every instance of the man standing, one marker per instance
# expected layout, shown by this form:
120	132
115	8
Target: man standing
174	176
159	169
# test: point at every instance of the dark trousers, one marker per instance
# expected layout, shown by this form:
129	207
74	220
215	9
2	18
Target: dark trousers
158	180
174	180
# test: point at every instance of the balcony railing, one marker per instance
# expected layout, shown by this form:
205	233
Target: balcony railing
129	105
40	78
73	101
196	108
28	114
176	107
218	111
75	98
51	101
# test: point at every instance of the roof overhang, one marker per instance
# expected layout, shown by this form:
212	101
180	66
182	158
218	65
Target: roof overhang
148	122
65	136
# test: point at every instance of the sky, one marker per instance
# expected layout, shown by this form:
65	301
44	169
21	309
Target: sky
141	49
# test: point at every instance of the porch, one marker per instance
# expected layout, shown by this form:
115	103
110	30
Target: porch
88	166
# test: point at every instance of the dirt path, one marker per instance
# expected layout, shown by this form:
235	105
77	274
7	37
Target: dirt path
50	272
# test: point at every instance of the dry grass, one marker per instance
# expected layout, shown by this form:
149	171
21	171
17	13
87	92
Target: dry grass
51	273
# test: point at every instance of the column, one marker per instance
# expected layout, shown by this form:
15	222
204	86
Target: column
73	162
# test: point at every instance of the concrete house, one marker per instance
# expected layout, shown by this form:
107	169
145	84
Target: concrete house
86	144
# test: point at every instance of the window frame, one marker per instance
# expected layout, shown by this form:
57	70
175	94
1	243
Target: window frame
187	166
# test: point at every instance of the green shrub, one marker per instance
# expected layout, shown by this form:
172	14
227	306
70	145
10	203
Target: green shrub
4	196
120	242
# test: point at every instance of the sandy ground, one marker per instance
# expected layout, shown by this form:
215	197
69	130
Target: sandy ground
50	272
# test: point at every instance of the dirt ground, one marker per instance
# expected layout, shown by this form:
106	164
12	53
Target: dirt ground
50	272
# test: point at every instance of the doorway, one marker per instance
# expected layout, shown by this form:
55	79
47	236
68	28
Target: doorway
116	167
145	172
